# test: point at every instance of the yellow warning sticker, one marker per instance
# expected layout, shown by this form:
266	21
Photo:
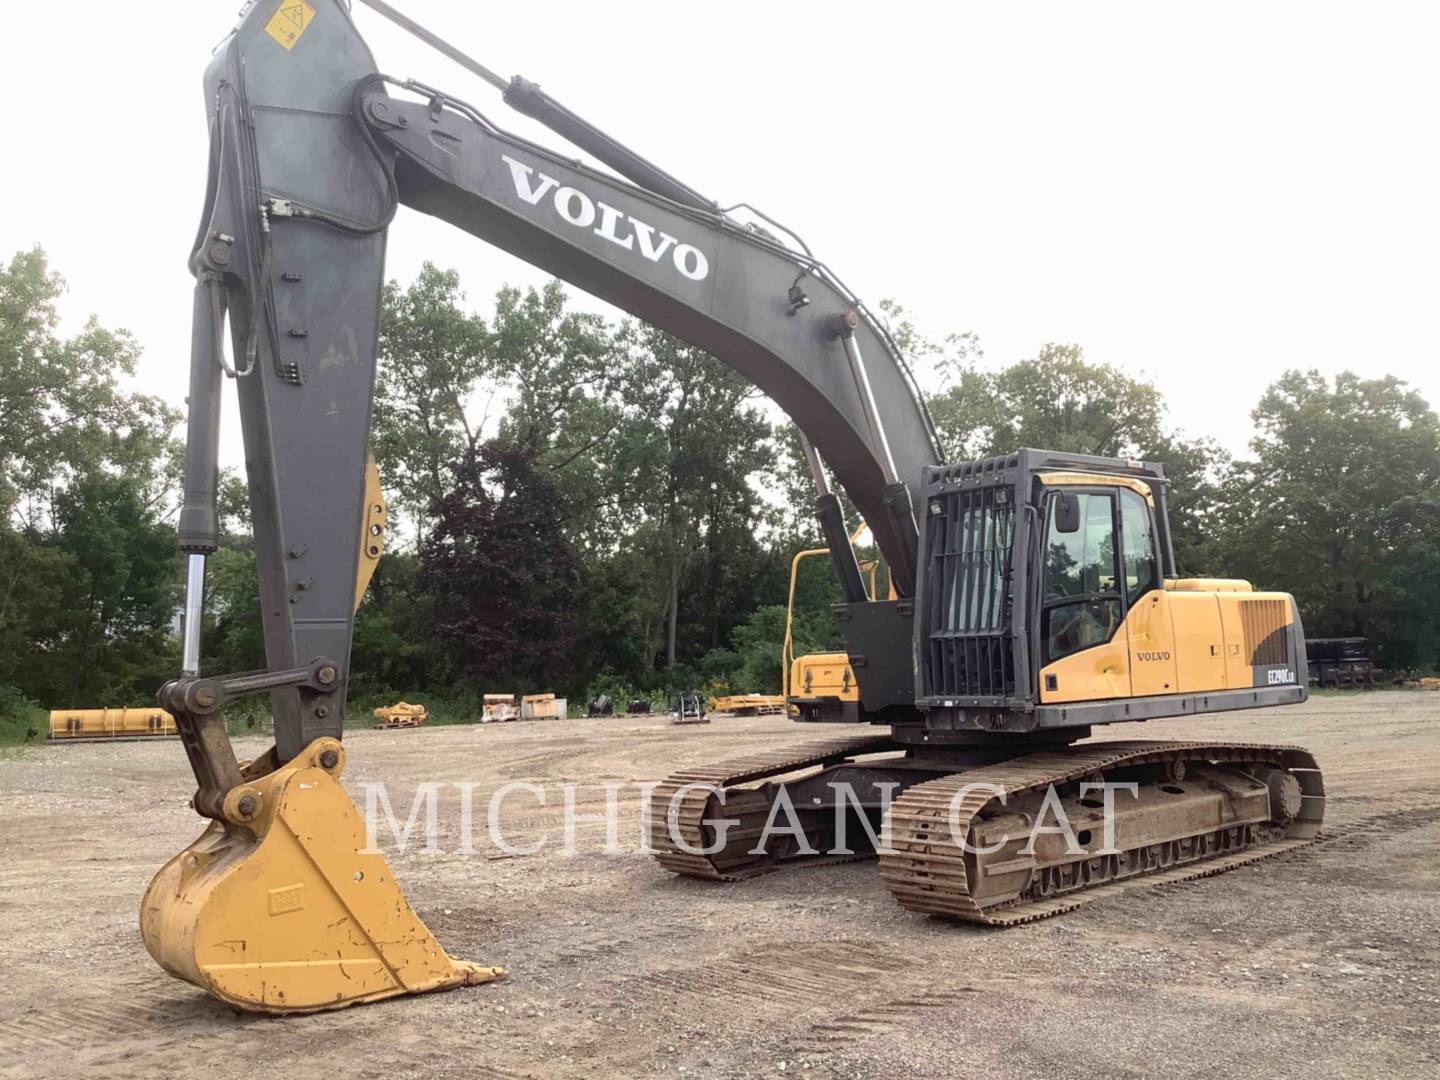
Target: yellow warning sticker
292	20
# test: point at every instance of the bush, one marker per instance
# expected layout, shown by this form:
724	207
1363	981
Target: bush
21	720
620	691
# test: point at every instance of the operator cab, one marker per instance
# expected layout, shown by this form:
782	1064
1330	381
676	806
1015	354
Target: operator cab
1047	601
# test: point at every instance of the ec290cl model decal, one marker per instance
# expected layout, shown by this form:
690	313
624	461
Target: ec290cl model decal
623	230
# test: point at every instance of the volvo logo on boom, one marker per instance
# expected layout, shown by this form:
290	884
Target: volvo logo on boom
621	229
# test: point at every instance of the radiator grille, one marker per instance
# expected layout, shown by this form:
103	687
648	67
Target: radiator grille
1263	623
970	536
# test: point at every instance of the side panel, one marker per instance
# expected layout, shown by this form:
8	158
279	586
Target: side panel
1199	641
1260	633
1153	646
1184	643
1094	674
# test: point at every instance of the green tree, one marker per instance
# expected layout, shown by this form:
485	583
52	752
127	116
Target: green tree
571	408
707	438
957	393
433	356
63	413
109	639
40	589
1340	506
87	476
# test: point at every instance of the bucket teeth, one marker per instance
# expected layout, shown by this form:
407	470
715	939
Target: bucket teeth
293	912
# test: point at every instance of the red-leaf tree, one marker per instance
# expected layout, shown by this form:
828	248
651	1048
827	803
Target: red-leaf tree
503	577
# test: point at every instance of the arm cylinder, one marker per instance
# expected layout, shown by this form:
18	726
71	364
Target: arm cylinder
198	531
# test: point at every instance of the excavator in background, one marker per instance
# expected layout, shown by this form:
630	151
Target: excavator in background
820	687
1035	593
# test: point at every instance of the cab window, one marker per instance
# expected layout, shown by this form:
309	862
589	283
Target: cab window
1082	562
1081	605
1142	568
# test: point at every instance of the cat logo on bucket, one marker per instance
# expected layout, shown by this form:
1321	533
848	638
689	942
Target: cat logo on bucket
287	899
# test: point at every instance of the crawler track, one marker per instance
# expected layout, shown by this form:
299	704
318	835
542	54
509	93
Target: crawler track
735	862
924	864
927	870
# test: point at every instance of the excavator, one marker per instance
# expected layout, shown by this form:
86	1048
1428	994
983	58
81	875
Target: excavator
818	683
1035	594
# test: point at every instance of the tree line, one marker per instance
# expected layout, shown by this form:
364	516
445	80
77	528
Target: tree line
589	505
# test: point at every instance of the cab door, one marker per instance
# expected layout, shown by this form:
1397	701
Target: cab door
1149	622
1085	653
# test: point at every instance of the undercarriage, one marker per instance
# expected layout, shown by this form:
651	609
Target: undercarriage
997	834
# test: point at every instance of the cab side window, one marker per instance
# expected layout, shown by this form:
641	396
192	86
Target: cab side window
1142	568
1081	606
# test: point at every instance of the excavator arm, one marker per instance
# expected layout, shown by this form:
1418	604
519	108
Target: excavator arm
311	153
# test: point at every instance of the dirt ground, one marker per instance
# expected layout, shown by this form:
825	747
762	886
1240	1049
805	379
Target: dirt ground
1323	963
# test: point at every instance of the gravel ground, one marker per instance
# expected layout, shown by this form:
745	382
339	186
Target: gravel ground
1323	963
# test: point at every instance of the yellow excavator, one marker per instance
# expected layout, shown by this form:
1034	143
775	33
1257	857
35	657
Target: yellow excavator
820	687
1033	597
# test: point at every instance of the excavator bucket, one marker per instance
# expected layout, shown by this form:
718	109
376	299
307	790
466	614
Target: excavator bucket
292	913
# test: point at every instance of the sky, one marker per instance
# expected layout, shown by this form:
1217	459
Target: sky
1202	194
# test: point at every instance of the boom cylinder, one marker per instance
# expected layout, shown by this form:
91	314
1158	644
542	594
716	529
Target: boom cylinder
848	324
896	496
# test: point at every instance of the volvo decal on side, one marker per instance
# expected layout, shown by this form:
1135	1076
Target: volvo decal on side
623	230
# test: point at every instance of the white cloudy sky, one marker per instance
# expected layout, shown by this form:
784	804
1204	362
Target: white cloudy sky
1203	193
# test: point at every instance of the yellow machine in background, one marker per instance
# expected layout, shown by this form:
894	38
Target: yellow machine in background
820	687
748	704
401	715
82	725
542	707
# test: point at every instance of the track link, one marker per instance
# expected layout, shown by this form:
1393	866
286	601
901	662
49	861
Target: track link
927	870
684	817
